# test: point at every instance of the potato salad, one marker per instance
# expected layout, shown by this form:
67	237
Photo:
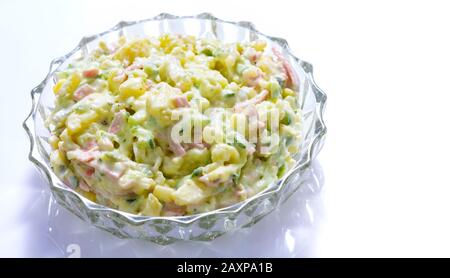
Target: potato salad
174	125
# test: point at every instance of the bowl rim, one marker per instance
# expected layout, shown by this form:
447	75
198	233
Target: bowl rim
55	183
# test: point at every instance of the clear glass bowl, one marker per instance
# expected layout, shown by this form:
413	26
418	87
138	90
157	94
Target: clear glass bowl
204	226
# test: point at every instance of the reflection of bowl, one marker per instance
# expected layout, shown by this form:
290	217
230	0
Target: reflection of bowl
205	226
293	230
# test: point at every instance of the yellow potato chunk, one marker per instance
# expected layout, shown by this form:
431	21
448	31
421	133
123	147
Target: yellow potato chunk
288	92
224	153
188	193
78	122
159	104
57	157
115	78
69	85
58	86
133	87
152	206
133	49
259	45
164	193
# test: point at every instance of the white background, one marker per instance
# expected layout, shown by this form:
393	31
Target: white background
385	68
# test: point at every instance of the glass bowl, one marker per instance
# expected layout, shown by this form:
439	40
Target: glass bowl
204	226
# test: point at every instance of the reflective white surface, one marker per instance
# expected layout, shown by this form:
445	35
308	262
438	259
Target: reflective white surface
290	231
384	66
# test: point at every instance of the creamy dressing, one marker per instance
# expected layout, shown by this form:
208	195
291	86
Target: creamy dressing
116	111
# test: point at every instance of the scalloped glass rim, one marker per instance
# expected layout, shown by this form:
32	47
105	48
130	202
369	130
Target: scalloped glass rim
57	185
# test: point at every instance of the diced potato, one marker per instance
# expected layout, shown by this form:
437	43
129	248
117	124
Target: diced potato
143	184
152	206
210	83
184	84
159	104
188	193
173	73
57	157
115	79
78	122
140	116
220	174
73	124
90	195
171	166
58	85
195	158
133	49
104	141
293	148
103	46
201	103
165	41
136	181
53	141
164	193
267	64
69	85
181	166
259	45
224	153
250	75
288	92
132	87
66	142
